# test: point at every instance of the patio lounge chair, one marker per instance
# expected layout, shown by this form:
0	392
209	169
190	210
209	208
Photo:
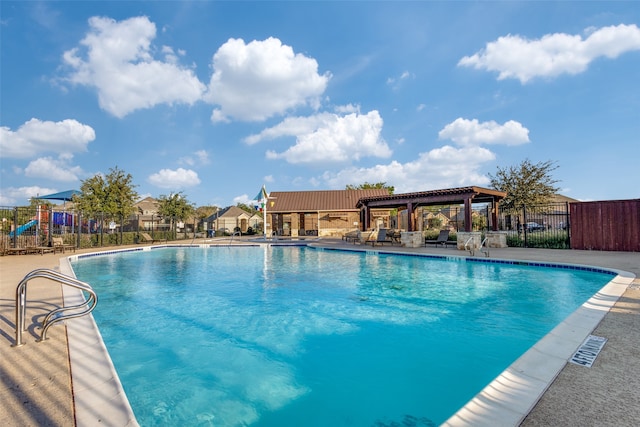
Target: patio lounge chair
382	238
145	238
442	240
363	237
59	245
350	236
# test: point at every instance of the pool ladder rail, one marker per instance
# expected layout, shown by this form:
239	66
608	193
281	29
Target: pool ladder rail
58	314
482	248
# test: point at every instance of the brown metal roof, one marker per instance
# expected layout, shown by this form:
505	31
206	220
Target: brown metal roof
433	197
323	200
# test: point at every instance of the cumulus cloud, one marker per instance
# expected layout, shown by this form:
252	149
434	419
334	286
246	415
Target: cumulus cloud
442	167
116	58
553	54
174	179
329	138
54	169
36	137
261	79
472	132
13	196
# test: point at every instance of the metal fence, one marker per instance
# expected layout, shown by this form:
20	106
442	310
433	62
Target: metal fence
542	226
36	226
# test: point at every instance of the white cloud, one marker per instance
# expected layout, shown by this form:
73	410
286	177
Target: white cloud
472	132
200	157
553	54
35	137
117	59
13	196
346	109
443	167
329	138
57	170
395	82
255	81
292	126
174	179
244	199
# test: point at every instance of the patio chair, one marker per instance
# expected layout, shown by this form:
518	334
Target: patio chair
145	238
59	245
350	236
442	240
363	237
382	238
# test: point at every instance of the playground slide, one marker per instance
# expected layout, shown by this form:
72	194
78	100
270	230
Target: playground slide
24	227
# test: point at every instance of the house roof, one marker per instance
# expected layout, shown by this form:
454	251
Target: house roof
228	212
323	200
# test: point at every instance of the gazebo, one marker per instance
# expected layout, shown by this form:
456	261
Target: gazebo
451	196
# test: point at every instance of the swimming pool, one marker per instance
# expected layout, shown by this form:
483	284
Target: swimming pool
299	336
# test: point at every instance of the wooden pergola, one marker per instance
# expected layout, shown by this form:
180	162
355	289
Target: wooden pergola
451	196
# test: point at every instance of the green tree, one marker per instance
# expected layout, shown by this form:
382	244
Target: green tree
526	184
113	194
249	209
35	203
203	212
175	206
369	186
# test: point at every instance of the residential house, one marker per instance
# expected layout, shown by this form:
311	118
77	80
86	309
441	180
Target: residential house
146	217
229	220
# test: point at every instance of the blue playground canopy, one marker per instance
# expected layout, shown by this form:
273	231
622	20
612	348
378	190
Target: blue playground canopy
63	195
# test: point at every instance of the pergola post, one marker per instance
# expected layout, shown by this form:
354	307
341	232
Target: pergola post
410	218
468	222
367	218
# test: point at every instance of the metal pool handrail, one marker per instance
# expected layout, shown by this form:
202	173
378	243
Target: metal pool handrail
54	315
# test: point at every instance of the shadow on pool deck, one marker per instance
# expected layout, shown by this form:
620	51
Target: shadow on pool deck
35	379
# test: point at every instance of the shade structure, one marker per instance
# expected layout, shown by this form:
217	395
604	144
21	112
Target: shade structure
63	195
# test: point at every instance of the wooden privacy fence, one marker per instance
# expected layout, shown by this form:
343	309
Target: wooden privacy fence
612	225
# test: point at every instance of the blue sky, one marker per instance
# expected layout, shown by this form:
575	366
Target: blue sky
215	99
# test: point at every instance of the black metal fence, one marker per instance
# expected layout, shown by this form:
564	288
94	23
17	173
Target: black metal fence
543	226
24	227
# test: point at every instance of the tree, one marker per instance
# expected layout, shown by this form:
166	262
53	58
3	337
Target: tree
526	185
369	186
175	206
203	212
36	203
250	210
112	194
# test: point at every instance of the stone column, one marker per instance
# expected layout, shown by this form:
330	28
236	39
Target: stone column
464	236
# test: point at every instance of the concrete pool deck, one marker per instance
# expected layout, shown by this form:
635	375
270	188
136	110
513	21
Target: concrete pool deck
36	387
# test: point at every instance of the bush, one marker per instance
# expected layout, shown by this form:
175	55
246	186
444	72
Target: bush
556	240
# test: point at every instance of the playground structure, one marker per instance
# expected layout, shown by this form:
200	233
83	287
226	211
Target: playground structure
23	228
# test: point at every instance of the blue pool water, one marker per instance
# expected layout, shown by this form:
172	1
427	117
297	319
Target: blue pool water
281	336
